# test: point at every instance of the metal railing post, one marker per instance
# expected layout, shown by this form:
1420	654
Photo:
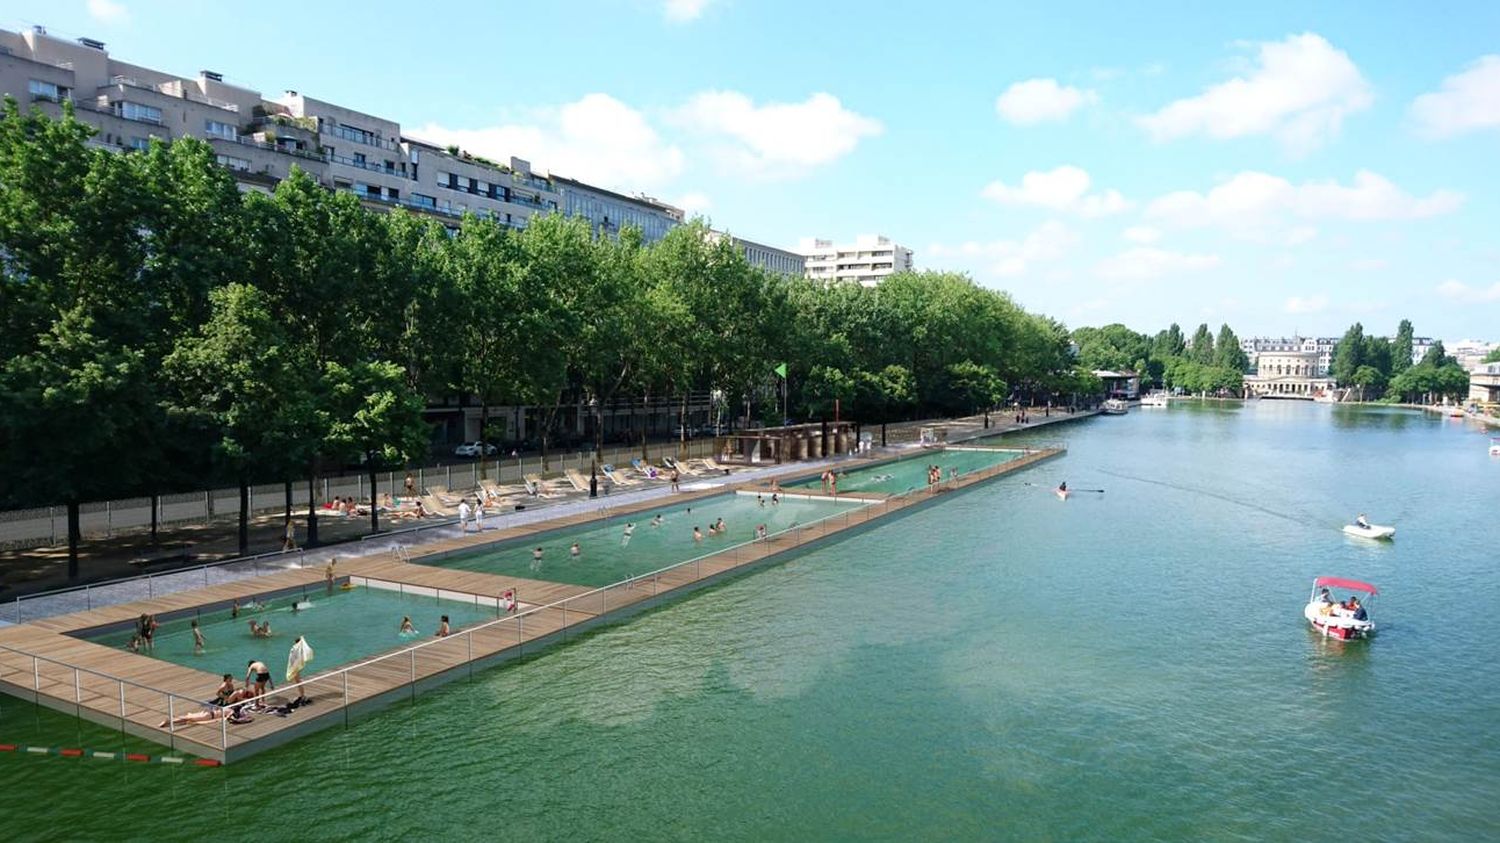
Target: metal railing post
77	691
36	679
224	734
346	698
122	703
171	717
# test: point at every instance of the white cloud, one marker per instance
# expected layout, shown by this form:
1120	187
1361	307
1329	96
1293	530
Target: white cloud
1008	258
108	11
1149	262
1041	101
693	204
1062	189
1143	234
1299	91
597	139
1468	100
1459	291
1259	206
1310	304
682	11
777	140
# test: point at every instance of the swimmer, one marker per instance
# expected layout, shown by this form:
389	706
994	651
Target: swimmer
775	500
406	627
575	550
760	532
135	644
760	499
697	535
197	638
656	520
712	530
234	611
443	628
629	530
720	526
536	555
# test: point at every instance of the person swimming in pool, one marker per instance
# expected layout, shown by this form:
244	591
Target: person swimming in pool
697	535
656	520
575	550
406	627
443	628
629	530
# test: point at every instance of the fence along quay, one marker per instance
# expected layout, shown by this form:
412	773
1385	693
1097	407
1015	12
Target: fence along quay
44	662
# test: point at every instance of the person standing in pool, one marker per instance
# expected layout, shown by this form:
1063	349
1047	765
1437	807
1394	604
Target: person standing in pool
443	627
656	520
406	627
536	557
629	530
197	639
575	550
328	574
697	535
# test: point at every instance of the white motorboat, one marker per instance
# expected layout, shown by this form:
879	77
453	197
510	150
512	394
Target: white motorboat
1155	399
1372	531
1062	494
1342	619
1114	407
1495	447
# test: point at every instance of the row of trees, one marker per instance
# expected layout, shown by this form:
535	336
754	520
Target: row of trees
1380	367
161	330
1204	364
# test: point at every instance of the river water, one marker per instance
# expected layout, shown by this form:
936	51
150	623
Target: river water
1130	664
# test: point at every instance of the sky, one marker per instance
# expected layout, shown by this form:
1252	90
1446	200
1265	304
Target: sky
1280	166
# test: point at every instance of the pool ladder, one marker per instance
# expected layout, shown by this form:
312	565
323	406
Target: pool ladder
402	554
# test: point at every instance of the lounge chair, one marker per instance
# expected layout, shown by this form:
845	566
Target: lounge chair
714	466
446	497
645	469
537	487
680	465
435	506
616	476
576	477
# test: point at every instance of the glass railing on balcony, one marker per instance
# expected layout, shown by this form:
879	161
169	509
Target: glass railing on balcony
358	136
372	166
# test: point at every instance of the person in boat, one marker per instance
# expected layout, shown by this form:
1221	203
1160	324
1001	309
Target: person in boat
1325	597
1362	522
1359	609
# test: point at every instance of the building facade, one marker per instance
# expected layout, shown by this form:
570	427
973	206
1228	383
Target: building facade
1288	374
770	258
868	260
608	212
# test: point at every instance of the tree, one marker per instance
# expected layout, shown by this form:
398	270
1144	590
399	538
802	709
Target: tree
241	379
1227	351
1202	349
1349	355
1401	348
1493	356
1436	356
1370	380
375	418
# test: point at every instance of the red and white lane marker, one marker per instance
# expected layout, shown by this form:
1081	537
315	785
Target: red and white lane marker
139	758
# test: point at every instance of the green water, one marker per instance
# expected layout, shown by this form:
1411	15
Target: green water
1001	665
606	555
342	628
911	473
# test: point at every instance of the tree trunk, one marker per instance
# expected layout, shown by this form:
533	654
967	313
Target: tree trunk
312	509
682	428
484	419
155	506
288	500
73	537
374	499
244	530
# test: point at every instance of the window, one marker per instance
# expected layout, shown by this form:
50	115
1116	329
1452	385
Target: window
423	201
140	143
136	111
226	131
47	91
233	163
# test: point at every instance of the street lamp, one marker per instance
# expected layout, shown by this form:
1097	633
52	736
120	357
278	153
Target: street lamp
594	457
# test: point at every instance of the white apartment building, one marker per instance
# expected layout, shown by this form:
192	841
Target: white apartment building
1323	347
259	139
769	258
868	260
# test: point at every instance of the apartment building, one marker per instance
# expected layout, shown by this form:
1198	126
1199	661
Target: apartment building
769	258
260	139
608	212
868	260
1323	347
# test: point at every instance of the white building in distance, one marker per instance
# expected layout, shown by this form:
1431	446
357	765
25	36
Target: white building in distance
868	260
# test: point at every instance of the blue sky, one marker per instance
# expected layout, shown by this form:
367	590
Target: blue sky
1280	166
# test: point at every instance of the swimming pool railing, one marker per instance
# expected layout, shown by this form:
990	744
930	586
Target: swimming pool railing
379	676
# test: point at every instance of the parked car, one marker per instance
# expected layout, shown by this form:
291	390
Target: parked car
474	449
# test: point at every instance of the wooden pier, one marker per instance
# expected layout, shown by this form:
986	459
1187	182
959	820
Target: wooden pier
46	662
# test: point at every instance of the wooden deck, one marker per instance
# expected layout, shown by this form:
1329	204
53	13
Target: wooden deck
135	693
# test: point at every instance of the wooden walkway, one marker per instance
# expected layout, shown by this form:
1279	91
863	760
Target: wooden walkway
135	693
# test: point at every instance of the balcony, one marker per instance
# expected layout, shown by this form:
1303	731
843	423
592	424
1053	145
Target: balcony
284	150
358	136
372	166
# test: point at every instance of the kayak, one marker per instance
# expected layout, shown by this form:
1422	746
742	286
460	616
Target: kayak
1374	531
1062	494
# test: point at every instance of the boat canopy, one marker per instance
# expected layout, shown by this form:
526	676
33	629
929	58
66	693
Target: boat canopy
1340	582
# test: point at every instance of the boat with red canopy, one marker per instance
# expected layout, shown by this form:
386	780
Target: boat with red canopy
1340	608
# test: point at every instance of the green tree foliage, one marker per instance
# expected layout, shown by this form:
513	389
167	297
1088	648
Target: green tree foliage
1401	349
1349	355
1227	351
1202	347
1493	356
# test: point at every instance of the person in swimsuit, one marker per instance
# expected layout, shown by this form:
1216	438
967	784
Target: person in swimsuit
226	691
197	638
508	601
629	530
207	715
260	674
656	520
575	550
443	628
406	627
697	535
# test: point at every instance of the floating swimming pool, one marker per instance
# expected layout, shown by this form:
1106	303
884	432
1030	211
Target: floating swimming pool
343	628
607	555
911	473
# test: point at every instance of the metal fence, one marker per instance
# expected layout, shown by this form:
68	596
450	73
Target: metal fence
48	525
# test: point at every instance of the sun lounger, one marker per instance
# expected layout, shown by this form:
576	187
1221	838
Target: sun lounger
680	465
714	466
446	497
436	507
537	487
619	478
576	477
645	469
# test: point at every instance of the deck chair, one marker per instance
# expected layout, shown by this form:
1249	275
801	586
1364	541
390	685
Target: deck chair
436	507
576	478
714	466
680	465
644	469
616	476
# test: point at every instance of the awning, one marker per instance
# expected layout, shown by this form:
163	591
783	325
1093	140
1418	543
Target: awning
1340	582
